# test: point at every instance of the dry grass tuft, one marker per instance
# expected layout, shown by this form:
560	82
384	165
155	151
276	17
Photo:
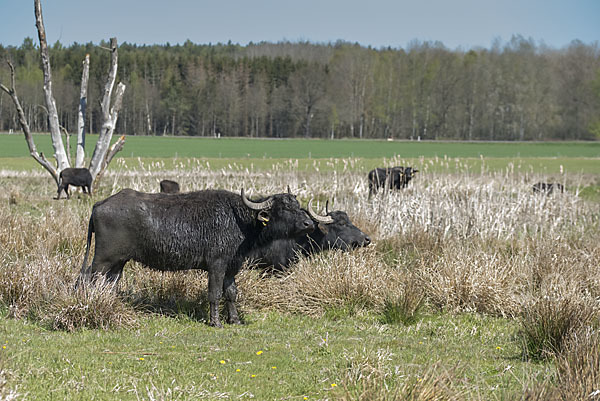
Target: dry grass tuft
578	370
93	306
579	366
405	308
368	379
467	278
333	280
548	320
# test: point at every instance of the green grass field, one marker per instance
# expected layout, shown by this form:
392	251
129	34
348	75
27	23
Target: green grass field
165	147
271	357
262	154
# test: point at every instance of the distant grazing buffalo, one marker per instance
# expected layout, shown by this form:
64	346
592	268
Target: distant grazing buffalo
547	188
332	231
169	187
390	178
77	177
212	230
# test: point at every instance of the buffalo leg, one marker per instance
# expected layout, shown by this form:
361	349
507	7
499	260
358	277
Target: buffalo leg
61	187
216	277
109	268
230	293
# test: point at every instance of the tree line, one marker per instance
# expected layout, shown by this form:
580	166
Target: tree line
517	90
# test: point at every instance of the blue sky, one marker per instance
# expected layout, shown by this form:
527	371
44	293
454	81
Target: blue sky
455	23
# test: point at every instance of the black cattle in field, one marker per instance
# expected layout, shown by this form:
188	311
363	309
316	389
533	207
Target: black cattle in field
77	177
332	231
169	187
547	188
212	230
390	178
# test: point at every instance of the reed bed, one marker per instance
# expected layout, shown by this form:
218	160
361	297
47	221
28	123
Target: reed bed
475	241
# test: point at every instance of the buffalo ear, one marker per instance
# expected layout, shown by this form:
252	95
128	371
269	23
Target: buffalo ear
323	227
263	216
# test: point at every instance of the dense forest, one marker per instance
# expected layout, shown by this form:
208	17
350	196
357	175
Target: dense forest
517	90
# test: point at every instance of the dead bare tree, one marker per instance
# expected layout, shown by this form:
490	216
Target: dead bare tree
103	152
39	157
85	75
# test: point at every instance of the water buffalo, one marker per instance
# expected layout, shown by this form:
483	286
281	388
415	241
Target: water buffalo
547	188
332	231
78	177
212	230
390	178
169	187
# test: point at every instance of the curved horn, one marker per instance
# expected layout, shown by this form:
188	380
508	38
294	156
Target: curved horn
327	207
289	191
316	217
256	205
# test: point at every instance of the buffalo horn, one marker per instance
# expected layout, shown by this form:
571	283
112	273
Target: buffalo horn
316	217
327	207
256	205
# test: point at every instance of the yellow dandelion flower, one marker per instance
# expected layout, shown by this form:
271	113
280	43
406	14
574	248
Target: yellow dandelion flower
4	347
253	376
333	385
258	352
238	370
305	397
222	362
498	348
273	367
141	359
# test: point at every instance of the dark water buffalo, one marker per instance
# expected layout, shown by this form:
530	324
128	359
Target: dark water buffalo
547	188
390	178
169	187
212	230
77	177
332	231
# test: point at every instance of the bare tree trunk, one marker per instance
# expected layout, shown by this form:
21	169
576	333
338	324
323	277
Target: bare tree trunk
67	142
57	144
112	151
148	119
109	114
79	158
39	157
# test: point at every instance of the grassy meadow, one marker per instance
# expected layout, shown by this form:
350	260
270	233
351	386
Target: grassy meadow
474	288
